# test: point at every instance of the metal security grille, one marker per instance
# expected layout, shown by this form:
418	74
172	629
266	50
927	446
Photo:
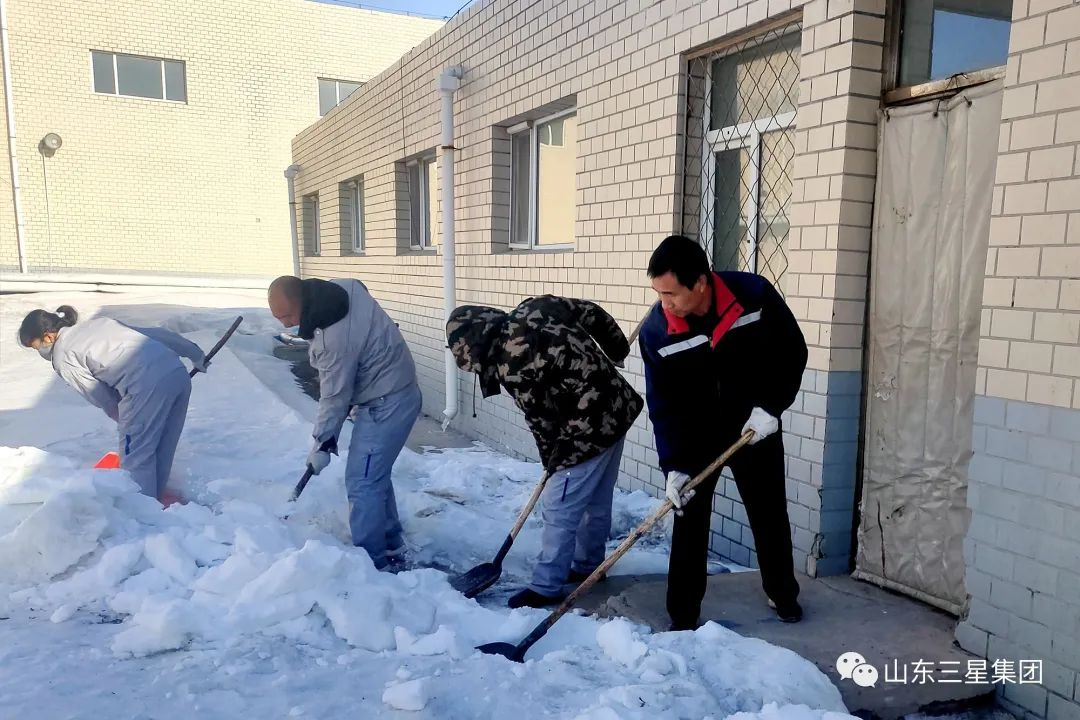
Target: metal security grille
740	120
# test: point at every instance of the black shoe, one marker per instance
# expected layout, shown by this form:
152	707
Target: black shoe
790	612
679	626
533	599
576	578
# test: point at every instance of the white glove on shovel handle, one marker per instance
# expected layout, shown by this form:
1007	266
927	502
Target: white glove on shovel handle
676	481
317	460
762	423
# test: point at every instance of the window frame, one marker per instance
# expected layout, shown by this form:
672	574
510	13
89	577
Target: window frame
357	239
893	93
113	55
337	91
312	243
420	165
533	128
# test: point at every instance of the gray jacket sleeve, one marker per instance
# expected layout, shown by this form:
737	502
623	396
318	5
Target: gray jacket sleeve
337	378
96	392
177	343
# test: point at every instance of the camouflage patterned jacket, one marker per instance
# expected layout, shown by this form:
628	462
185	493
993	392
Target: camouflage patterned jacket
554	357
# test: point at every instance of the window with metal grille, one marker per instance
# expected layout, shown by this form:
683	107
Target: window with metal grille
741	109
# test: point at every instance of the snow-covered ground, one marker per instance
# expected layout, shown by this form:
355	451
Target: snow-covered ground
220	608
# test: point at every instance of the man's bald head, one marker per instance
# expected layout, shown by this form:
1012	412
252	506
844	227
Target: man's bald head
286	299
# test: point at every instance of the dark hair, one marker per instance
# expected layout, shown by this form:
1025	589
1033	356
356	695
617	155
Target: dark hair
38	322
682	256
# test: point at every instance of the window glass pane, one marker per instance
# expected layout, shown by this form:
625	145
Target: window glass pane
175	83
758	82
327	96
556	209
731	194
345	89
520	188
358	216
432	186
139	77
103	72
944	37
310	224
416	206
777	155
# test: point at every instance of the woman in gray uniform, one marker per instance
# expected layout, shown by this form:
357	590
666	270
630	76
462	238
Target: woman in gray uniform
133	374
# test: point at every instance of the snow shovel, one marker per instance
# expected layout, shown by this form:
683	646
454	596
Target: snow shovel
111	460
517	652
483	576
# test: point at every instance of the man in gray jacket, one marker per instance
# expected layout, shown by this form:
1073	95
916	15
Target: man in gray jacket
364	368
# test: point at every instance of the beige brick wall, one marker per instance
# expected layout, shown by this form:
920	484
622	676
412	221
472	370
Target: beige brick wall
9	253
1031	298
622	62
195	187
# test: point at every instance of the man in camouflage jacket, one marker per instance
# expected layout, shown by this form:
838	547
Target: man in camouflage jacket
555	358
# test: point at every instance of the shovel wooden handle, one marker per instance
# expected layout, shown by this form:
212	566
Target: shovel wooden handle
637	328
527	510
633	537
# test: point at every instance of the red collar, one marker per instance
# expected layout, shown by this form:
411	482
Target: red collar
726	307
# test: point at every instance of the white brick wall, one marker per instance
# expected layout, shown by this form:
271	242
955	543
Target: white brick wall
193	187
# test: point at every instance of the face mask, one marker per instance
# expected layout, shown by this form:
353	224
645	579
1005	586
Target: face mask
45	351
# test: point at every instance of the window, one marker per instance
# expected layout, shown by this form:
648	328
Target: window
942	38
422	187
543	182
334	92
134	76
352	215
312	244
740	151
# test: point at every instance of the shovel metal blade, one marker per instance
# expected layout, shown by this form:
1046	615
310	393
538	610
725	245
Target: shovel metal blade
477	580
508	651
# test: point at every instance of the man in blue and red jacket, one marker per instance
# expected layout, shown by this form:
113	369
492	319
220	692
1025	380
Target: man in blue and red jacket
723	354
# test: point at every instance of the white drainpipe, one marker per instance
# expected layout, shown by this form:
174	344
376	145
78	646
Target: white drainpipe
448	82
9	108
290	176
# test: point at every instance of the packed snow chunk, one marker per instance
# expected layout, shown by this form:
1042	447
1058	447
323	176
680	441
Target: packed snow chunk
621	642
166	555
30	475
113	567
54	537
306	569
138	589
411	695
205	551
231	576
158	627
600	713
64	613
773	711
441	642
362	618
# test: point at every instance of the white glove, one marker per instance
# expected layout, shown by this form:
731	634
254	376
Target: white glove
318	459
201	365
676	481
762	423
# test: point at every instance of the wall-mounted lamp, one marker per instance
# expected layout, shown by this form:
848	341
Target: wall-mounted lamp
50	144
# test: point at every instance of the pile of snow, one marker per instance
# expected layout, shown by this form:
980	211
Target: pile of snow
79	541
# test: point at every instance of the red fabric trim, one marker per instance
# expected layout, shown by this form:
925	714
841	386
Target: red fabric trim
725	305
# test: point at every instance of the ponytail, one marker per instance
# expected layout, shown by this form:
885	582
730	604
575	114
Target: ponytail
39	322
